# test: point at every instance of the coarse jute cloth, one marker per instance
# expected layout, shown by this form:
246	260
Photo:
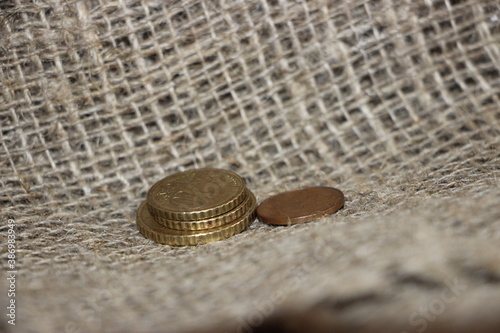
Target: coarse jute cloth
396	103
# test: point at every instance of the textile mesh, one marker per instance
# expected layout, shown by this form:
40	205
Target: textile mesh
396	103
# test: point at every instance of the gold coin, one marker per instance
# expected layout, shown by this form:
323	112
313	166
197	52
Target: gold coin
151	229
196	194
212	222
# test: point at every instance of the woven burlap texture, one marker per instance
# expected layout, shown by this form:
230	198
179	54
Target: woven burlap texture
396	103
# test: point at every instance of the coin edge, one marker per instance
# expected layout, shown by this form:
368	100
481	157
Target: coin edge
206	236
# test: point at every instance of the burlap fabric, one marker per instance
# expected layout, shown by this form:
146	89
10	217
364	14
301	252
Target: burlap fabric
394	102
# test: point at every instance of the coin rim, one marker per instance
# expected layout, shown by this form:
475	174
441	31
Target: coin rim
159	212
211	222
304	218
152	230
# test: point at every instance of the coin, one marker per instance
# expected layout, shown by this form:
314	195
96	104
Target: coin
196	194
300	205
212	222
151	229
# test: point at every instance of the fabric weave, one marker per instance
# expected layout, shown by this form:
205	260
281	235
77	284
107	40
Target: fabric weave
396	103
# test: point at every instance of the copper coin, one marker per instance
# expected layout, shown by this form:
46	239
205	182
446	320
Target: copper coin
300	206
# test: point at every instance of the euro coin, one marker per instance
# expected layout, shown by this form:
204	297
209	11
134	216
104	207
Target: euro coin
300	206
153	230
212	222
196	195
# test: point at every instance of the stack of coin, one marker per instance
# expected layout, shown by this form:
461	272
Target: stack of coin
196	207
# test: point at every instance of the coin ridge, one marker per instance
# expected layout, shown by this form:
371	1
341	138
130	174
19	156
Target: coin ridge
191	237
211	222
159	212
